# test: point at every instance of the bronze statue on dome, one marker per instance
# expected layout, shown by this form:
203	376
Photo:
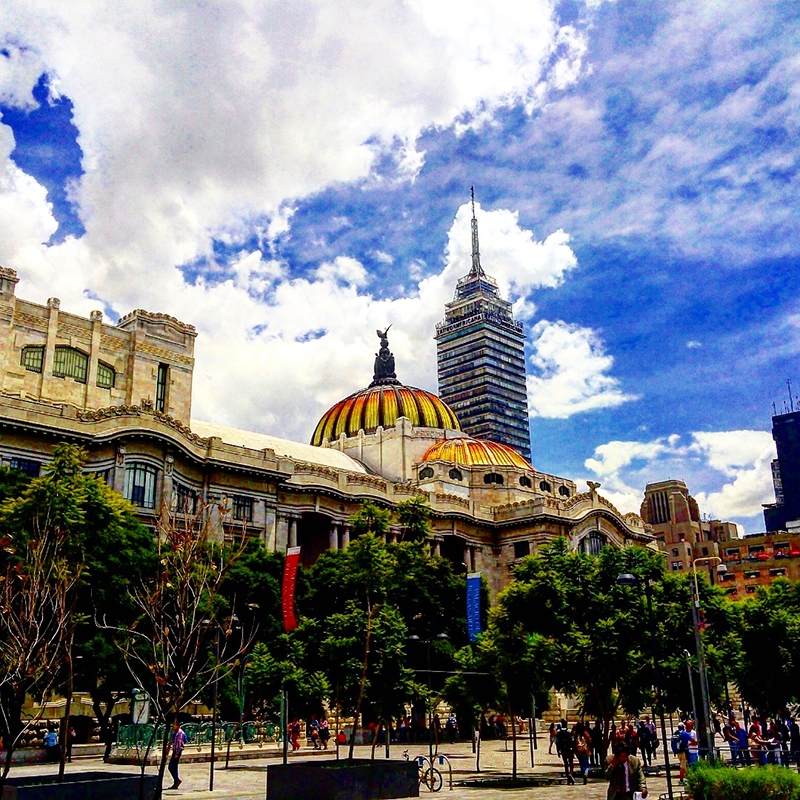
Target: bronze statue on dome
384	362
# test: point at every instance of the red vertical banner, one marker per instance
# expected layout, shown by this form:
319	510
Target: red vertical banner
289	579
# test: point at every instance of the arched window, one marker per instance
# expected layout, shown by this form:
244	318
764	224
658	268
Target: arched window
425	473
456	475
106	376
70	363
140	485
525	481
33	357
545	486
563	491
493	477
593	543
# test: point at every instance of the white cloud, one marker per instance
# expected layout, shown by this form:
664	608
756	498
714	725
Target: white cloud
571	369
693	344
20	69
344	269
27	218
728	472
210	121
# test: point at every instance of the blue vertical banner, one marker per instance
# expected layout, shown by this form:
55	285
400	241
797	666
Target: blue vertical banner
474	606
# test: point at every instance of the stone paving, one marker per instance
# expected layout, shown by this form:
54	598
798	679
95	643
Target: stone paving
246	780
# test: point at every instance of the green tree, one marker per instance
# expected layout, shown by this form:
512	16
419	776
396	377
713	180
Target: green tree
767	668
414	517
183	638
73	526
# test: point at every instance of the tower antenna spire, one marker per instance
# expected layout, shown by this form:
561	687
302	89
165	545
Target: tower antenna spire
477	269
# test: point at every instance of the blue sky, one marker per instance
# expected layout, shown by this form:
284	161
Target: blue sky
288	180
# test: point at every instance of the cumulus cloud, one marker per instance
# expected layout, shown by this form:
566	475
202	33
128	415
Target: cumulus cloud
208	123
571	372
728	472
683	130
195	120
27	218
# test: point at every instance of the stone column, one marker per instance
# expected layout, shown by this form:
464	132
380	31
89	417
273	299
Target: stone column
270	528
334	536
345	536
292	531
471	557
282	534
435	547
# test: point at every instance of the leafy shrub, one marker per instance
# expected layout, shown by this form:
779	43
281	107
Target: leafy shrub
705	782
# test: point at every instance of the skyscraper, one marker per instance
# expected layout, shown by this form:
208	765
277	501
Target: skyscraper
785	472
481	359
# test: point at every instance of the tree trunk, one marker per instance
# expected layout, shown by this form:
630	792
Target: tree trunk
12	713
361	687
104	718
375	738
65	726
513	738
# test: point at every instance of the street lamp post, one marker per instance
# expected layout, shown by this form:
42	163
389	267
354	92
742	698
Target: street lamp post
701	657
214	714
627	579
427	642
691	683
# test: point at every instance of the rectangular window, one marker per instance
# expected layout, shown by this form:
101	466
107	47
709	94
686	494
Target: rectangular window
732	551
185	499
140	485
522	549
243	508
677	566
30	468
733	589
161	388
705	551
756	548
728	576
33	357
675	552
102	475
777	573
750	589
70	363
105	375
752	574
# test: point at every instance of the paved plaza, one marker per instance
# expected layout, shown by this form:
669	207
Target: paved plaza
246	779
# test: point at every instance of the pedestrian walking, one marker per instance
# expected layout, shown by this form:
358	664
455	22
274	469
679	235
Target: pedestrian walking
625	775
178	743
565	745
583	749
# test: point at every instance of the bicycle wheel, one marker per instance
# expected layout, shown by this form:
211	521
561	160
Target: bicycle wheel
433	779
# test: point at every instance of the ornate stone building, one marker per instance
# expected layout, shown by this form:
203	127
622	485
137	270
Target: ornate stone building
124	393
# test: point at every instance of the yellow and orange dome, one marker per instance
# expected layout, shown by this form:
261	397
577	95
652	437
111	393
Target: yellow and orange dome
382	406
476	453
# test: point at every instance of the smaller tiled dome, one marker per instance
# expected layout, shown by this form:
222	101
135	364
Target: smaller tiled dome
476	453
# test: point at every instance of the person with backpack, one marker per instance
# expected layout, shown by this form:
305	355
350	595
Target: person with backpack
679	748
565	745
583	749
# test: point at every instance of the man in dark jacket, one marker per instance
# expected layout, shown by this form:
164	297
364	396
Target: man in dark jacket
565	743
625	775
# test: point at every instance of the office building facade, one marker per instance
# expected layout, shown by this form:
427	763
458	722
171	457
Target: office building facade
481	360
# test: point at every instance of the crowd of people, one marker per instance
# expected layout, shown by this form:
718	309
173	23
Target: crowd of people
587	744
760	741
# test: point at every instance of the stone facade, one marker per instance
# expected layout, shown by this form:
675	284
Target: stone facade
285	493
49	355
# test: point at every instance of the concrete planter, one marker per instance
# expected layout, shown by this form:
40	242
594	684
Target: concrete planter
360	779
80	786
